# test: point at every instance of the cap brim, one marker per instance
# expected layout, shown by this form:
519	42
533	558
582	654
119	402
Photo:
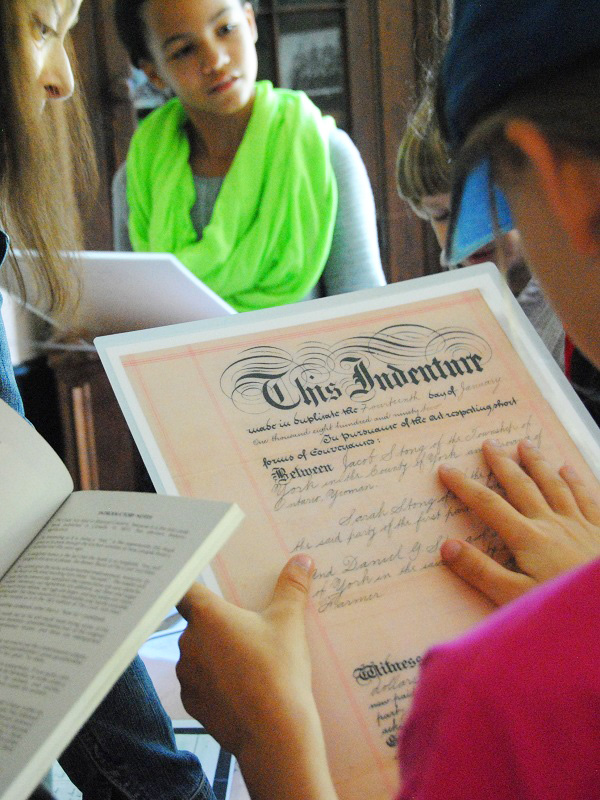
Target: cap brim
473	223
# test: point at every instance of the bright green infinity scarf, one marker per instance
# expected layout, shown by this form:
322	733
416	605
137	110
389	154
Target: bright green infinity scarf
270	232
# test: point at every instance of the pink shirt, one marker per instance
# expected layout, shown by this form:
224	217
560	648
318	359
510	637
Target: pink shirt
512	710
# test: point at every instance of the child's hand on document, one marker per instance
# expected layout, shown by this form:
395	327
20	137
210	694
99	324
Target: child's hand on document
246	677
550	521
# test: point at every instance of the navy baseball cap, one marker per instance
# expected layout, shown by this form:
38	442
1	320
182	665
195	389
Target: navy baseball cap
496	48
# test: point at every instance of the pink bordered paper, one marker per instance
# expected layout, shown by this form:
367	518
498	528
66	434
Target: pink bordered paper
326	423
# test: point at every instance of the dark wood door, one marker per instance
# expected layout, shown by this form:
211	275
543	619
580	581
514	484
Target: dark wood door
105	76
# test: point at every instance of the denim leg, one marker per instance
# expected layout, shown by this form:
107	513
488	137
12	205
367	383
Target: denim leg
127	750
41	793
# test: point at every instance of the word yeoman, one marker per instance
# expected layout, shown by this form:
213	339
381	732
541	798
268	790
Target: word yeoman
365	381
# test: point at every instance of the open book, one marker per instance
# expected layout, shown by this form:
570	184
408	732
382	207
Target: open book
327	421
116	292
86	578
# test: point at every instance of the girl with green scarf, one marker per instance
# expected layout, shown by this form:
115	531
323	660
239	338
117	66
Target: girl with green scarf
257	193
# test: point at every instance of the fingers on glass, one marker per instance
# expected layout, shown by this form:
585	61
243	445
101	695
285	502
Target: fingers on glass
489	506
522	491
586	498
554	488
497	583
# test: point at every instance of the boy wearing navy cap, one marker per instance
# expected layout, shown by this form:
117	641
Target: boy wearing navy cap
512	710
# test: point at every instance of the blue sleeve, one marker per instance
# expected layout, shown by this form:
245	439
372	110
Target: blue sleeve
9	391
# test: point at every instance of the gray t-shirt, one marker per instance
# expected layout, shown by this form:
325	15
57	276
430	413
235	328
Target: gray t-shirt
354	261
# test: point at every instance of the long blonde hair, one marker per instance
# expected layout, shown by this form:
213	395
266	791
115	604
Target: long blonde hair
46	166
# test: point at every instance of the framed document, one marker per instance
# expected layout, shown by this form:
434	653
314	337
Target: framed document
326	421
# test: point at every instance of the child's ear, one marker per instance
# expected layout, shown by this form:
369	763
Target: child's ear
152	74
571	182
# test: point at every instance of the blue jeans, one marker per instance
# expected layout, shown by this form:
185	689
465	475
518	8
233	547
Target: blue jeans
127	750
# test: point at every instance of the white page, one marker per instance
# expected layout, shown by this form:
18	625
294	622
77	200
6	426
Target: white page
78	604
125	292
33	484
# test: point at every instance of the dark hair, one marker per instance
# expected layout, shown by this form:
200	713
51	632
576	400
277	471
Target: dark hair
42	158
131	28
564	106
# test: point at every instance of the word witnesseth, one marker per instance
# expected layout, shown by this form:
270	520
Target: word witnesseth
373	671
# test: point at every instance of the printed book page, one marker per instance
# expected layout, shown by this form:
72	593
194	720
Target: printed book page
78	604
327	424
33	484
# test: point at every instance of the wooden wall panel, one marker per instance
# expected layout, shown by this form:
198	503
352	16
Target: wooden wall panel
384	55
398	78
104	69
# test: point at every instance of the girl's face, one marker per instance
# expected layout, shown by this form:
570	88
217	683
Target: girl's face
204	51
436	210
48	25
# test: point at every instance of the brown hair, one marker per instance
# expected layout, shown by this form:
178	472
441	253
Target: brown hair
423	165
43	157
